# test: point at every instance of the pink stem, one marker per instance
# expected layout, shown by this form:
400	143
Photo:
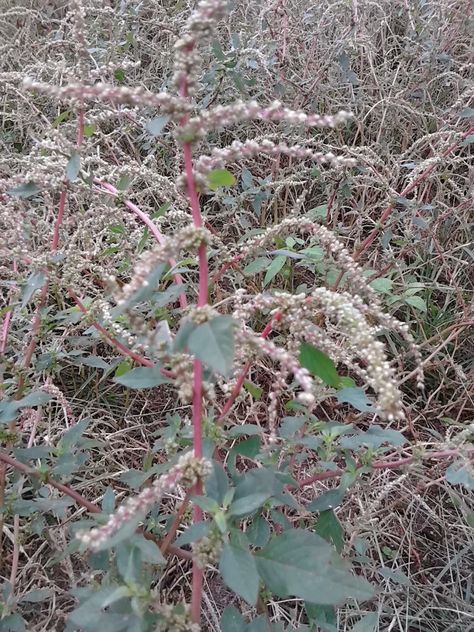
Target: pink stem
153	229
198	574
385	464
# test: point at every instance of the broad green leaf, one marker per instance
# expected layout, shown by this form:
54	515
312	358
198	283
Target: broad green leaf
356	397
87	612
319	364
275	267
147	289
302	564
142	377
73	166
157	125
150	550
466	113
239	571
394	575
329	528
232	620
37	596
218	178
24	190
213	343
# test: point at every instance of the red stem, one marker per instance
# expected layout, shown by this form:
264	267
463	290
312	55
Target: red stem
198	574
385	464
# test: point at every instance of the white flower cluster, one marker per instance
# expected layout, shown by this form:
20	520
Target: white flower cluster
187	472
226	115
106	92
240	151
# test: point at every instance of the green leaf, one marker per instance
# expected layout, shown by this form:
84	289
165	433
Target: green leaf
253	389
193	533
417	302
259	532
319	364
461	473
239	571
150	550
382	285
119	74
356	397
73	166
24	190
329	500
275	267
12	623
367	624
142	377
232	620
302	564
147	289
213	343
394	575
324	616
467	113
89	130
217	484
157	125
258	265
218	178
9	408
329	528
374	437
37	596
34	283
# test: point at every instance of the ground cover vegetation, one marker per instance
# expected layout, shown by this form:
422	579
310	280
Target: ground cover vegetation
236	315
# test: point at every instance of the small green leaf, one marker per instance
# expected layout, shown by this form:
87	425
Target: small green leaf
356	397
461	473
382	285
213	343
417	302
218	178
329	528
467	113
239	571
157	125
89	130
142	377
193	533
319	364
73	166
329	500
34	282
253	389
119	74
275	267
24	190
258	265
367	624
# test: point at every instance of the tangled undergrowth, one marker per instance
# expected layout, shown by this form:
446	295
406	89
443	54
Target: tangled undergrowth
236	379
